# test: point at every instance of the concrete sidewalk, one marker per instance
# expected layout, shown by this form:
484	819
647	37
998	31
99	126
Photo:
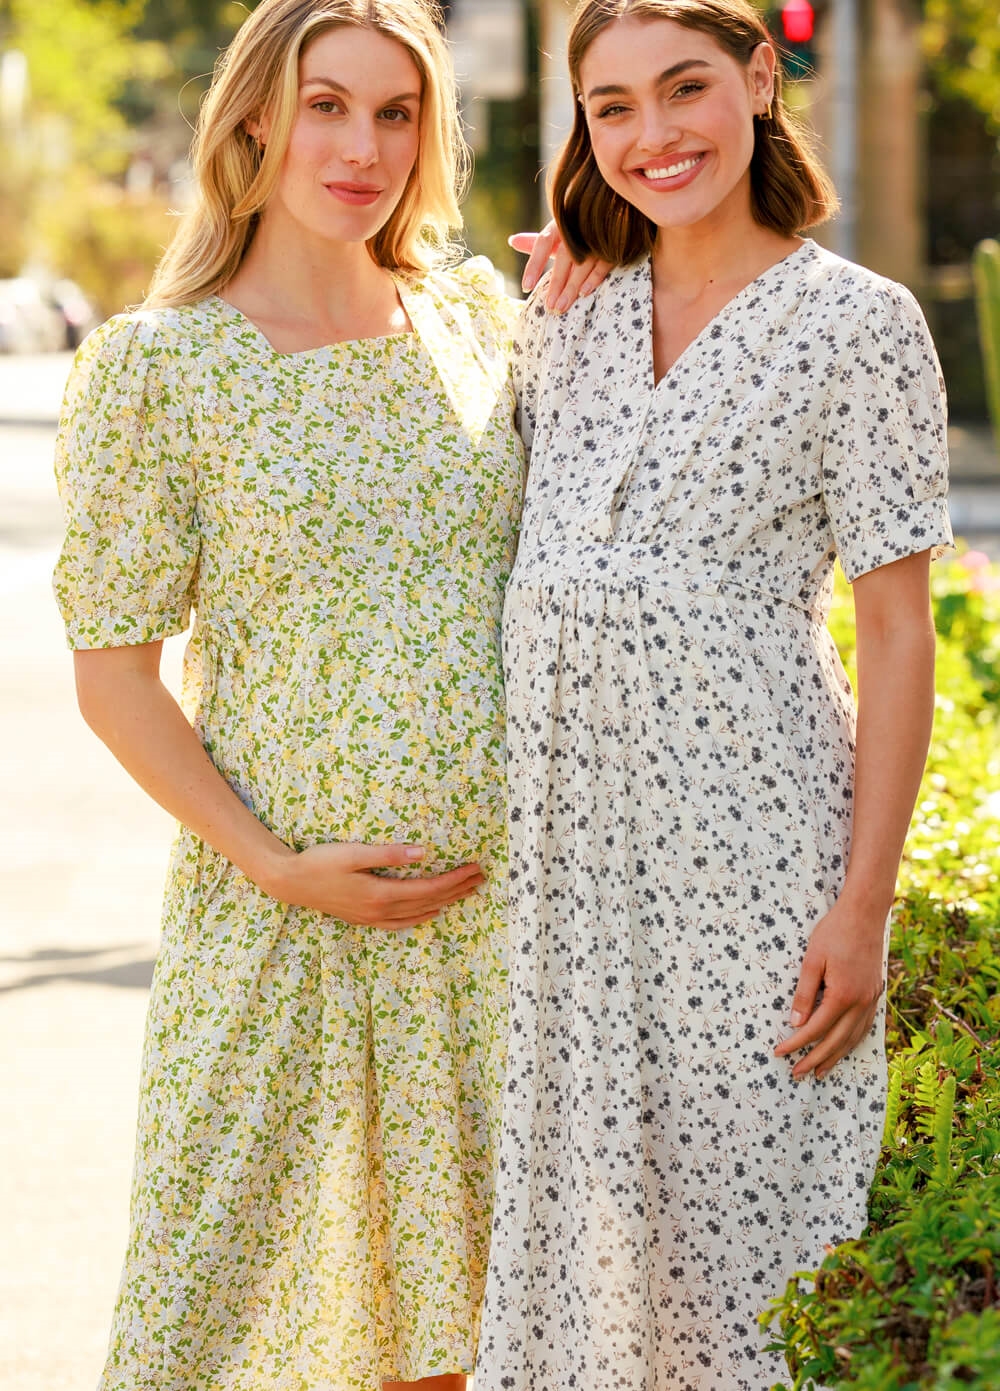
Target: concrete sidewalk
82	856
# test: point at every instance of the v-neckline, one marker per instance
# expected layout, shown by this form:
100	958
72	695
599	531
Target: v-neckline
720	313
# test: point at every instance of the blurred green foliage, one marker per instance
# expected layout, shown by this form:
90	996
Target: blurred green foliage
914	1304
962	45
80	53
60	165
110	238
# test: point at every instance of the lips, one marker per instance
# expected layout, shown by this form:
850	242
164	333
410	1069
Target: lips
360	194
673	169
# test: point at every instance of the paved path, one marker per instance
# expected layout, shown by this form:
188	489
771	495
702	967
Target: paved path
82	853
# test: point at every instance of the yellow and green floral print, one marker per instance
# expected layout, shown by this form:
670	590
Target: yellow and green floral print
320	1102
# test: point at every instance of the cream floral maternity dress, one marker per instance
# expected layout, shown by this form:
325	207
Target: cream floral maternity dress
319	1109
680	734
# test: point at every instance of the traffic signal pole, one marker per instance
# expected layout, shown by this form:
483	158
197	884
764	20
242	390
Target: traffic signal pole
844	125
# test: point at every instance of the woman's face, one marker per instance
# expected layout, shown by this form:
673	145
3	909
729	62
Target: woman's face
670	115
356	134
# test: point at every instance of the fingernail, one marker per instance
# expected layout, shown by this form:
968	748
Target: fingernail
563	304
797	1017
415	852
528	282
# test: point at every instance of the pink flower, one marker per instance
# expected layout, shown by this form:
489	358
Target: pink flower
974	560
982	578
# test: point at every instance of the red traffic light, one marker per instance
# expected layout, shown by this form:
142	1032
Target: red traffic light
798	20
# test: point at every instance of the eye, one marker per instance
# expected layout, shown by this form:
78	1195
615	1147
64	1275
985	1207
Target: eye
395	115
688	89
326	106
614	109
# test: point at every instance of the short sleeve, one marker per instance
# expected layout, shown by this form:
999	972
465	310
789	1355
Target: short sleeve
125	471
885	454
525	362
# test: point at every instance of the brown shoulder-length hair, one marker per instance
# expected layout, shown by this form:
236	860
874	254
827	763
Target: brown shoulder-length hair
789	189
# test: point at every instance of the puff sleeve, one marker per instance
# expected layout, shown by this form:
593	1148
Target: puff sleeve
125	472
885	453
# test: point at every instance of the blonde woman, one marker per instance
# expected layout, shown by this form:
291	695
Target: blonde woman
306	436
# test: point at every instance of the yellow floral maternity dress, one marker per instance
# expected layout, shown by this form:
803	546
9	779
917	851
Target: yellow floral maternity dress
320	1102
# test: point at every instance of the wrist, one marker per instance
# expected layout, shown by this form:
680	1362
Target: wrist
867	903
273	871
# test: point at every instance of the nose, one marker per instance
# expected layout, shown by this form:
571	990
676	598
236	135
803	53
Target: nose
361	144
658	129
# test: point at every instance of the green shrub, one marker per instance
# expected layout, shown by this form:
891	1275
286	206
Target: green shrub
914	1305
104	238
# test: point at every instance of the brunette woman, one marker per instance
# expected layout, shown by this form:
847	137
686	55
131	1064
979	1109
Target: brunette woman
703	846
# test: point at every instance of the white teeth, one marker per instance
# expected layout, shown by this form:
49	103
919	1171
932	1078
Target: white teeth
672	170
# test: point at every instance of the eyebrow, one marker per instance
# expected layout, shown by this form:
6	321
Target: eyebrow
332	86
666	76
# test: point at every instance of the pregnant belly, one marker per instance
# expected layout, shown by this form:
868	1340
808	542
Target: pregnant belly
416	757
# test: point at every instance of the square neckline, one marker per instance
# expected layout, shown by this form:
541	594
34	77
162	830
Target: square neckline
410	335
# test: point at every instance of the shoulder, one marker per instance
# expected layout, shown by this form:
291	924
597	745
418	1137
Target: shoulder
476	287
145	340
619	301
859	295
135	362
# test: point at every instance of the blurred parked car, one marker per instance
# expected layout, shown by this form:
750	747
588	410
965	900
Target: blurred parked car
29	321
78	314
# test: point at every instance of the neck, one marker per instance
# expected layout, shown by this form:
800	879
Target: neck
298	276
726	247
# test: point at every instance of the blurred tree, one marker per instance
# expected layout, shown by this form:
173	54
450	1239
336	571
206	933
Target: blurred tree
196	31
60	204
962	43
80	54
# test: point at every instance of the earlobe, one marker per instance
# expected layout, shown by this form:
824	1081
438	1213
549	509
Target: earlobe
257	130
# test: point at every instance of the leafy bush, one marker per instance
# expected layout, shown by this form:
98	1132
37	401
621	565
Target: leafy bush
914	1304
104	238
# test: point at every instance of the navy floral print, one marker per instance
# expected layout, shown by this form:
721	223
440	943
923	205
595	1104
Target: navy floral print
680	736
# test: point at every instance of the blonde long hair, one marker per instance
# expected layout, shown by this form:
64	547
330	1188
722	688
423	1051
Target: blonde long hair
789	190
259	72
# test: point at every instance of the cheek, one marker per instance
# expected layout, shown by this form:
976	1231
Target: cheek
735	132
405	151
306	149
607	155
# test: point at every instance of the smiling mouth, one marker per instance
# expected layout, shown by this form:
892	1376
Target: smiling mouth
671	171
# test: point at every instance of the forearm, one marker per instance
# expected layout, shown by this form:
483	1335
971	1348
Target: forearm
895	714
135	715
